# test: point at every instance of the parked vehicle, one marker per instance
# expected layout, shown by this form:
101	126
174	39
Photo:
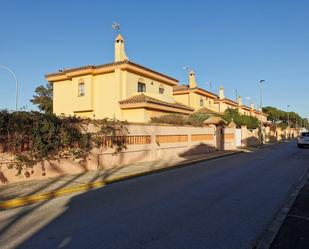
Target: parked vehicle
303	140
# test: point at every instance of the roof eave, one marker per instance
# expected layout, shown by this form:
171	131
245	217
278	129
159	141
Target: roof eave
155	106
106	68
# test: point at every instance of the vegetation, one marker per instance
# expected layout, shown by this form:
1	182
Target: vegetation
239	120
195	119
34	137
44	98
283	118
174	119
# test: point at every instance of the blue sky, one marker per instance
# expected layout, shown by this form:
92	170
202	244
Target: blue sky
231	43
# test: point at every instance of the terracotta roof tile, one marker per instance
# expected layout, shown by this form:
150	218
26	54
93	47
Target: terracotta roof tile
186	87
61	72
180	87
142	98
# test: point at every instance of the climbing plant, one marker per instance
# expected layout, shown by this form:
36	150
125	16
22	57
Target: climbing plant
33	138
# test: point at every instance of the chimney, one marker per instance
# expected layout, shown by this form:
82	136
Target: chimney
120	54
239	101
192	80
221	93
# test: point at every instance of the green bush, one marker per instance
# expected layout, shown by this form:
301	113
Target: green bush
174	119
197	119
239	120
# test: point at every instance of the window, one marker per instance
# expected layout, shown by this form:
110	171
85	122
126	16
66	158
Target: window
201	102
161	89
81	89
141	87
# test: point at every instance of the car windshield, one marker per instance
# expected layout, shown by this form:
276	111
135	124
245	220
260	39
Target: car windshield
305	134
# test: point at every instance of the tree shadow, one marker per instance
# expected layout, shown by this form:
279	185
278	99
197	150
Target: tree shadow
16	224
198	149
109	217
251	141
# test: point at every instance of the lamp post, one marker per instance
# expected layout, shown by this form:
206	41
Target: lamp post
289	129
287	109
261	110
16	82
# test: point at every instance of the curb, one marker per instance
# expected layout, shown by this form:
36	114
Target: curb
31	199
271	232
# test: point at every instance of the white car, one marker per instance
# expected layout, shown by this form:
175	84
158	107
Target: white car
303	140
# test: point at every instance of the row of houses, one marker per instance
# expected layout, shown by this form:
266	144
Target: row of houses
128	91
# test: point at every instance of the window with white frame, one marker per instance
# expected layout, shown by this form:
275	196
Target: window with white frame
81	89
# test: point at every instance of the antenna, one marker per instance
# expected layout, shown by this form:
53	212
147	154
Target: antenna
116	27
210	84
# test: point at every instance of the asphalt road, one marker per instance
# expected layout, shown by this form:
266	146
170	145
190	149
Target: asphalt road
223	203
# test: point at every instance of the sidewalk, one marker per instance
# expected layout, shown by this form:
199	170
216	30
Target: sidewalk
294	232
24	193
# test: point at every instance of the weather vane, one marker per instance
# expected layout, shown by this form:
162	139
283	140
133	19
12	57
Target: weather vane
116	26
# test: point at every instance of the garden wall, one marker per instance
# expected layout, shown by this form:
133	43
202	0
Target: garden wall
144	143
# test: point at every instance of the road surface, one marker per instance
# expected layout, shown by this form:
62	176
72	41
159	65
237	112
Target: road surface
225	203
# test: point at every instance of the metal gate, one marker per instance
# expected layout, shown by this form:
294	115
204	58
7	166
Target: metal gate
238	138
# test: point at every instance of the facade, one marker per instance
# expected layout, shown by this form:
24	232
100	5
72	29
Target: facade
199	98
194	96
122	90
125	90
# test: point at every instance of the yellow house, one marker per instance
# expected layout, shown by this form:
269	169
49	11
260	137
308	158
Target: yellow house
243	109
197	98
194	96
223	103
122	89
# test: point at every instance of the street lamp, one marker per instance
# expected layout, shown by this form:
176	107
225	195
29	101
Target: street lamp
16	82
261	109
287	109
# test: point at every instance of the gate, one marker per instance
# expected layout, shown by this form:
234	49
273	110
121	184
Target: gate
238	138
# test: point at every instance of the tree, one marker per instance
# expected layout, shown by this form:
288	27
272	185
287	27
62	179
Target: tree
239	120
44	98
283	118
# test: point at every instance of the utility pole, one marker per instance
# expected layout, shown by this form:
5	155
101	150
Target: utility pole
288	115
289	129
261	111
